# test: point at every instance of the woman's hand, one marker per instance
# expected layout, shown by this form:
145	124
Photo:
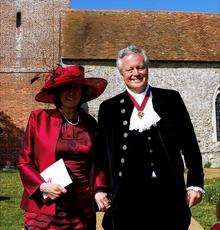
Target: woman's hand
102	201
52	190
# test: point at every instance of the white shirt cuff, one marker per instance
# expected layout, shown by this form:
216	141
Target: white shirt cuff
196	189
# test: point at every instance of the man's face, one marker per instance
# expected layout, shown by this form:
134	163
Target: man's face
134	72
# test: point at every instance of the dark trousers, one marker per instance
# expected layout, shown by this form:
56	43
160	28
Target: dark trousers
153	207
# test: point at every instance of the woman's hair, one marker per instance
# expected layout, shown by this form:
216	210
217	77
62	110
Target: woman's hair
57	100
128	50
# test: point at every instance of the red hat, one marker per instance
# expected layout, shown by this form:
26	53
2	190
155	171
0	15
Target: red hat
72	74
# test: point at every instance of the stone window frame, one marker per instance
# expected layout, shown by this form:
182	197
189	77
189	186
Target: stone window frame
216	94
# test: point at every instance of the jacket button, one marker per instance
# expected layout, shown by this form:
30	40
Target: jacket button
123	110
120	174
152	164
124	147
122	101
125	122
150	150
122	160
125	135
149	138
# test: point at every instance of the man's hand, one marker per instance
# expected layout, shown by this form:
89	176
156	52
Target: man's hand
52	190
102	201
193	197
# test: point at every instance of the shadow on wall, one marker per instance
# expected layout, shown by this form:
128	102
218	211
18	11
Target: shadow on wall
11	139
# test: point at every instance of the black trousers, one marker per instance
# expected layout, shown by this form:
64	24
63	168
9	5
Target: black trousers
151	207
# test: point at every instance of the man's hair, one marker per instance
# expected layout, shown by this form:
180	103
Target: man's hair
128	50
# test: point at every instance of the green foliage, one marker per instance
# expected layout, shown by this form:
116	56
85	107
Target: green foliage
208	164
212	194
204	213
10	195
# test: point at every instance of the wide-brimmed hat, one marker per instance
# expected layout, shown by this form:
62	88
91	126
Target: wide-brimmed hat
92	87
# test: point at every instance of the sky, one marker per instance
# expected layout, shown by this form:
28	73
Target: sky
205	6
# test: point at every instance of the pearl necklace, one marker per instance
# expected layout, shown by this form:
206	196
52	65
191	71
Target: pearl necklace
68	121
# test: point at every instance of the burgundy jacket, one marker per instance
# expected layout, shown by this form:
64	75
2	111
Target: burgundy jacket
38	153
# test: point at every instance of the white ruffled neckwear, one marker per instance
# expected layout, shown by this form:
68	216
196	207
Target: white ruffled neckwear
150	116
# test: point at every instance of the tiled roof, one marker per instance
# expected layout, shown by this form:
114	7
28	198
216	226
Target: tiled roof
165	35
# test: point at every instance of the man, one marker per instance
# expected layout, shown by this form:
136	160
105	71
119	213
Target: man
143	133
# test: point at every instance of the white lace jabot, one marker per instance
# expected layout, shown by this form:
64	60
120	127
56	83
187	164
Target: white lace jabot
150	116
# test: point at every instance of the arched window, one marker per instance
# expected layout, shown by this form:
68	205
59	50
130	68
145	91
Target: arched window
217	112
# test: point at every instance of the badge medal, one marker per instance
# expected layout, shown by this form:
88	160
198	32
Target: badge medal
141	107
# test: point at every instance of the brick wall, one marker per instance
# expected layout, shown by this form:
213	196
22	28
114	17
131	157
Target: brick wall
26	50
16	102
36	42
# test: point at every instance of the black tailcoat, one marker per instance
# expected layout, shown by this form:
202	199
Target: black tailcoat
130	157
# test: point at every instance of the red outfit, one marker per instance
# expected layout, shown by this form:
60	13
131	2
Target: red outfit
215	226
47	140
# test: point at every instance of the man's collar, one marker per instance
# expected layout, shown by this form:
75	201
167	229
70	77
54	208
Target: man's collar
132	93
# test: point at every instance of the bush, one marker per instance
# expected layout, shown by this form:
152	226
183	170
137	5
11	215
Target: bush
208	164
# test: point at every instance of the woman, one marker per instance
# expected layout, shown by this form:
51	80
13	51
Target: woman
65	132
216	226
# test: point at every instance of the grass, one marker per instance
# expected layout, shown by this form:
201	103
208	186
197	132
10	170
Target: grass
11	191
10	195
204	213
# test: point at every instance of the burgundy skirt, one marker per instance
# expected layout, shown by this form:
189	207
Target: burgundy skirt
35	221
74	211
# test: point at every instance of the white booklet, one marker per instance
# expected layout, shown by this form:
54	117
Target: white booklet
56	173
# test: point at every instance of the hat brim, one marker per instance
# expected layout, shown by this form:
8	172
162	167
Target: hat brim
92	88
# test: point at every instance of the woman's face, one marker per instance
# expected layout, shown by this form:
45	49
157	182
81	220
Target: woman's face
70	96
